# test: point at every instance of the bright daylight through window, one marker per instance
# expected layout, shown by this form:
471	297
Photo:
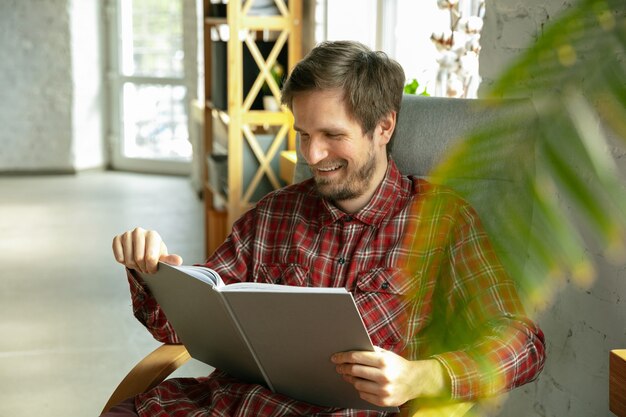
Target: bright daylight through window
154	117
436	41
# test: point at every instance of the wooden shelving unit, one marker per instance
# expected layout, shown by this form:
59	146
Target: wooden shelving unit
252	138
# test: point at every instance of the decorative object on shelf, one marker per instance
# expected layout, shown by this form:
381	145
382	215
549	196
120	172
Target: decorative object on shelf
263	8
270	101
459	47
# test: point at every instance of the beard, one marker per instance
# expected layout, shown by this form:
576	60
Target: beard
352	186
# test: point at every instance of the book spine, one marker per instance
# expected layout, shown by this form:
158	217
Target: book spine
232	314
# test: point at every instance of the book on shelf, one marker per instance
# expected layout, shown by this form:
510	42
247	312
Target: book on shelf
278	335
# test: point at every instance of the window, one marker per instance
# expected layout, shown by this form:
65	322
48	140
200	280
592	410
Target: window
149	85
403	29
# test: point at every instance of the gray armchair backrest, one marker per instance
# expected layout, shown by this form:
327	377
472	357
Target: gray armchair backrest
426	128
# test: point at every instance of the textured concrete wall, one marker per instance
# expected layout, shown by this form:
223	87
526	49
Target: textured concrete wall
35	85
52	90
510	26
51	85
581	324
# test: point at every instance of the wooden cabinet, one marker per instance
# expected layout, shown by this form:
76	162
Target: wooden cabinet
617	382
243	141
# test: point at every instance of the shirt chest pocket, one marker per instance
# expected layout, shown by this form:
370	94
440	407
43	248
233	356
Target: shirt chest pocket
284	274
384	298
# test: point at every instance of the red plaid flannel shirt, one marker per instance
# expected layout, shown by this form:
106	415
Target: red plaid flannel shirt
423	274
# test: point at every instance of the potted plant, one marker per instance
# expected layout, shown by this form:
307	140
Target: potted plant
270	102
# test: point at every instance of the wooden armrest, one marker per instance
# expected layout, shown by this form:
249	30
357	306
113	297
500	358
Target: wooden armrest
149	372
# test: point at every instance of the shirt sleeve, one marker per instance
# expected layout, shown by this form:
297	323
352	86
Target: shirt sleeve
505	349
148	312
230	260
233	258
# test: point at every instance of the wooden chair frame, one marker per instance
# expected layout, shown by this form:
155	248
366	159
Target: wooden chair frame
165	359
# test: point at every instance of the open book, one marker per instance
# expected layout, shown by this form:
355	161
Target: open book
278	335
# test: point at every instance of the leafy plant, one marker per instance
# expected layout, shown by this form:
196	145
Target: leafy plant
277	72
575	75
412	86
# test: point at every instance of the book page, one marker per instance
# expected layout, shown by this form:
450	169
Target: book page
201	273
266	287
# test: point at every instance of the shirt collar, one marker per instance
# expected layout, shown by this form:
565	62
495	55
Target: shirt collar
379	205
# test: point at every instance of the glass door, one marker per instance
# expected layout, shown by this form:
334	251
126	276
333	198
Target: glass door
149	97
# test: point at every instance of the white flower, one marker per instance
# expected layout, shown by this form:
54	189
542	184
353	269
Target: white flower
469	63
447	4
474	24
473	44
462	24
448	60
454	86
443	40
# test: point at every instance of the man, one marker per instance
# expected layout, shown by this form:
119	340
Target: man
445	317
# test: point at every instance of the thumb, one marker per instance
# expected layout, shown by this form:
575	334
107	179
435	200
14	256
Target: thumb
172	259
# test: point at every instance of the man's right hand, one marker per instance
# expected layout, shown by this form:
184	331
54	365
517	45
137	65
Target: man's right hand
141	250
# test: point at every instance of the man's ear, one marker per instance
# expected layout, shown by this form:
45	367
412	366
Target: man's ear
385	127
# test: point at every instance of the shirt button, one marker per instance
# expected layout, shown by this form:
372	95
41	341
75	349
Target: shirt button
341	261
348	219
384	285
278	281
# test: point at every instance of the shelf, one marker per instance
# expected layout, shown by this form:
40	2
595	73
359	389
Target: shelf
288	161
216	194
215	21
243	142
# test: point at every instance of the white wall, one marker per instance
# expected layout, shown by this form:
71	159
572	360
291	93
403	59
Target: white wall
582	324
50	85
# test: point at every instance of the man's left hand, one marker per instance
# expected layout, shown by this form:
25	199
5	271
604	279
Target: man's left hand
386	379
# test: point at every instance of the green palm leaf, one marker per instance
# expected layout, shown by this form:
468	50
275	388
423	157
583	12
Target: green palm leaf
560	152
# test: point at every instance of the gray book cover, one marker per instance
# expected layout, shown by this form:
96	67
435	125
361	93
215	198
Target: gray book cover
281	336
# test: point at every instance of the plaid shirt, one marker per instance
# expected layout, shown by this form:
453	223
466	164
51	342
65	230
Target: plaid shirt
423	275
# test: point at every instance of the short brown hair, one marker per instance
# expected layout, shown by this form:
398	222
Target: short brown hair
371	82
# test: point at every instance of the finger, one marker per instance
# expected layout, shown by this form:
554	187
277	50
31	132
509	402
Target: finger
172	259
154	249
139	248
363	372
118	250
369	391
127	245
361	357
365	386
378	400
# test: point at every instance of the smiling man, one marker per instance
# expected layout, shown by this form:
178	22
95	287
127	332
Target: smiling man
347	164
443	314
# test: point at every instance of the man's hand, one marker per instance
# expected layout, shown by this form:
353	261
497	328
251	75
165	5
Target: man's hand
386	379
141	250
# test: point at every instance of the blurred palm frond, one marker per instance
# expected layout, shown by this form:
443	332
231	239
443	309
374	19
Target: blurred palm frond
562	151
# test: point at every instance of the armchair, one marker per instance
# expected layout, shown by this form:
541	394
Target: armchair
426	127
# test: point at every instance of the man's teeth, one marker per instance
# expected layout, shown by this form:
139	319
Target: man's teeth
328	169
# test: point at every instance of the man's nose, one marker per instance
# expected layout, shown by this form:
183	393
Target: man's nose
314	150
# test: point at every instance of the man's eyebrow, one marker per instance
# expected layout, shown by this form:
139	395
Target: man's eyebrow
329	129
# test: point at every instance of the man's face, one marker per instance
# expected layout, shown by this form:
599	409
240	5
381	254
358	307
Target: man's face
347	164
